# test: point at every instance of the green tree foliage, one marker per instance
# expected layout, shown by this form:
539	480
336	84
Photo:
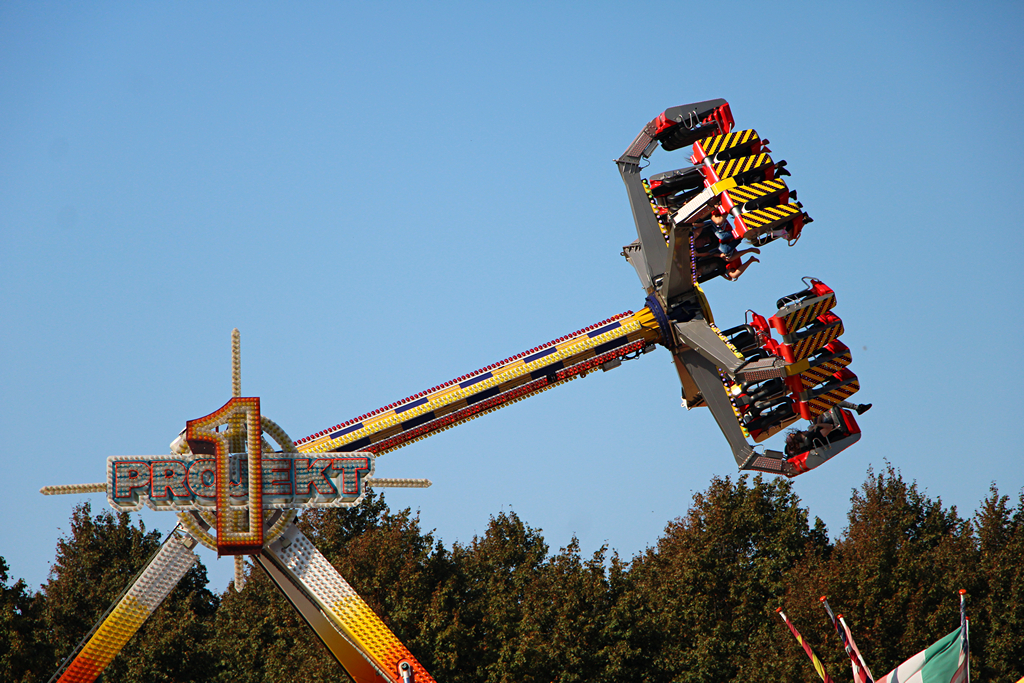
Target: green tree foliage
523	616
388	560
94	564
997	629
171	645
564	617
697	606
895	571
259	638
702	596
495	574
21	658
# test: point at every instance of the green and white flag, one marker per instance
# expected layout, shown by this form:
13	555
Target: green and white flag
944	662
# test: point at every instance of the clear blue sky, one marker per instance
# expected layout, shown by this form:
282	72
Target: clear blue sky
386	196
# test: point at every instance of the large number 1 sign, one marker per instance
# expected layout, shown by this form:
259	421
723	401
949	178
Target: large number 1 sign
234	429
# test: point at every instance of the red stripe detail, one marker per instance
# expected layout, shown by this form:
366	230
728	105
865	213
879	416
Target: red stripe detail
519	392
465	377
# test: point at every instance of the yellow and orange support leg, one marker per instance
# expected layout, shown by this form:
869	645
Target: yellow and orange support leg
153	585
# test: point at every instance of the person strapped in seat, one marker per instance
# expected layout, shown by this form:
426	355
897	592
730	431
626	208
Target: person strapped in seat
826	429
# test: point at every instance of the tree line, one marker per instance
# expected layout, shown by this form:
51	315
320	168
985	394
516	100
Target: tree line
698	606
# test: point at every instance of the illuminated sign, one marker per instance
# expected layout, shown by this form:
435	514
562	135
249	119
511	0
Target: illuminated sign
236	428
288	481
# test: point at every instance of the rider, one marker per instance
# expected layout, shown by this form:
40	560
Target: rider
798	441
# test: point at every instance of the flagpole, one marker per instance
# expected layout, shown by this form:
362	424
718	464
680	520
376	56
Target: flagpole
857	665
964	643
818	666
853	644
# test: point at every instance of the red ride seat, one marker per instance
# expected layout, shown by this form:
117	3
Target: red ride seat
827	448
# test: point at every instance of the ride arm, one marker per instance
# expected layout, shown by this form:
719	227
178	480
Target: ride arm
674	128
364	646
652	243
705	374
698	335
115	628
687	314
600	346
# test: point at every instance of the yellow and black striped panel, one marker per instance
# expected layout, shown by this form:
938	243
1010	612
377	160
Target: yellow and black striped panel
811	343
824	372
820	404
746	193
720	143
734	167
805	316
770	217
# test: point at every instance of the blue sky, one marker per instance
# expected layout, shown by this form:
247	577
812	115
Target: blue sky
382	197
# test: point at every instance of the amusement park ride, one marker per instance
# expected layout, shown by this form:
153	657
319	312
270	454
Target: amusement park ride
235	493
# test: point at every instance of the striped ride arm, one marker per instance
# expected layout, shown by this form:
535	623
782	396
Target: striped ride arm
368	650
168	566
489	388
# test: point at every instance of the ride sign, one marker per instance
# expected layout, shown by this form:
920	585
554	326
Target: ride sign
289	481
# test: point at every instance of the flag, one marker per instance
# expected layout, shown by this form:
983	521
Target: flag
860	657
818	666
860	672
943	662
